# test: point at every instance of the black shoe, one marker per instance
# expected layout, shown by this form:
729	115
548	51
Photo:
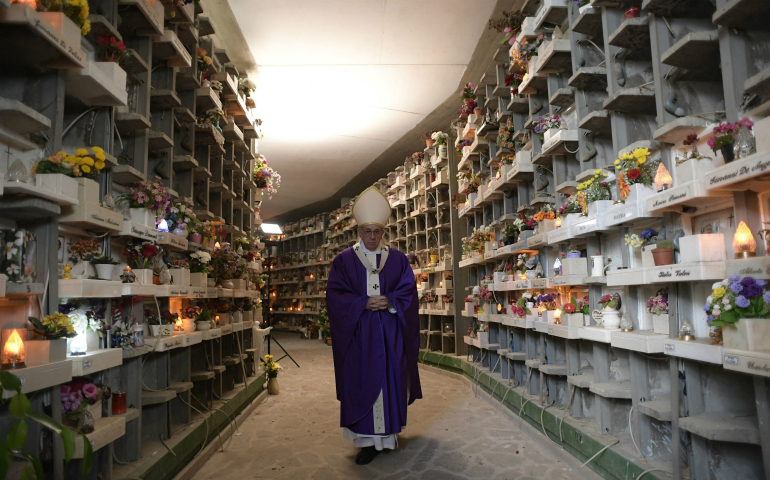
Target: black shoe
366	455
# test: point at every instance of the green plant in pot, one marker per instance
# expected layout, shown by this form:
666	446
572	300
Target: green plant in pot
663	254
104	266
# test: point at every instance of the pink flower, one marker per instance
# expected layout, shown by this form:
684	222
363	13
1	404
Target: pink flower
746	123
511	41
507	30
89	390
725	301
711	142
66	405
64	389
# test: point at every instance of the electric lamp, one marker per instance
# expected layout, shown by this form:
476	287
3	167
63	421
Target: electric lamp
557	224
663	179
14	351
216	319
557	316
216	246
686	331
499	307
163	226
498	174
743	242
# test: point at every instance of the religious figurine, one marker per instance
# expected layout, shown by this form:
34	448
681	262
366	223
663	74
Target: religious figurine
108	201
164	276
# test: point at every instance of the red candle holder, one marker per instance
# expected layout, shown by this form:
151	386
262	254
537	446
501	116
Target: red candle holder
633	12
118	403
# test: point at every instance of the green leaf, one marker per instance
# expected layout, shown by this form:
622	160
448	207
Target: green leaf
37	324
45	421
10	381
88	457
574	301
19	405
37	466
507	37
5	459
68	439
28	473
17	435
728	317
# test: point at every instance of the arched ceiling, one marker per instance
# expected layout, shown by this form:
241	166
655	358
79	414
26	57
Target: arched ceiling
339	82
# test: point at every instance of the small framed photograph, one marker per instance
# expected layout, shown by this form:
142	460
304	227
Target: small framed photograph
62	248
709	226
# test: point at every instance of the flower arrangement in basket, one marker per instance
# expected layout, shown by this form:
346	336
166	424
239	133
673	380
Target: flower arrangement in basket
593	189
112	50
75	10
547	122
82	164
265	177
141	254
633	168
469	100
577	306
735	298
56	325
505	135
658	304
643	239
203	60
150	194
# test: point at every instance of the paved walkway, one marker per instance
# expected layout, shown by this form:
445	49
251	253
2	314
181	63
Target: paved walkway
451	434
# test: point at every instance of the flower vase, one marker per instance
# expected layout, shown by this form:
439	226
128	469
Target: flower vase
663	256
573	254
216	125
161	330
609	318
143	276
86	271
196	238
203	326
443	152
429	142
205	242
728	153
745	144
180	232
211	282
104	271
272	386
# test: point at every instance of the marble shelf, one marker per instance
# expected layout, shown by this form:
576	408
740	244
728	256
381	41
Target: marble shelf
723	427
694	193
644	341
751	362
618	390
39	377
589	78
106	431
632	100
556	369
597	334
597	121
659	409
95	361
589	23
743	14
699	350
750	173
689	51
633	34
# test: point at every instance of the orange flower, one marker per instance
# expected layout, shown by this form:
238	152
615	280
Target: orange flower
624	188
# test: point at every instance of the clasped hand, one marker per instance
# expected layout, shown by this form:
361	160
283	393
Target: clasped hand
377	302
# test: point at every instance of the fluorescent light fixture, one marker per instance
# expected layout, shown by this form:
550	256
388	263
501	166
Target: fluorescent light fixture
271	229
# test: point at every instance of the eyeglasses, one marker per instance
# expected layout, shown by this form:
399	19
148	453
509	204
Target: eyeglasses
371	233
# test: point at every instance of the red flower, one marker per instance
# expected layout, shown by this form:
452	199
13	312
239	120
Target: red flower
604	299
691	138
569	308
603	184
105	40
633	174
149	251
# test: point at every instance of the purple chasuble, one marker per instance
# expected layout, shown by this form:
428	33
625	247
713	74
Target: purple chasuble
374	351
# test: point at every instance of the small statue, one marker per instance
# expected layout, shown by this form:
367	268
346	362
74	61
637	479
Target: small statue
164	276
108	201
67	275
128	276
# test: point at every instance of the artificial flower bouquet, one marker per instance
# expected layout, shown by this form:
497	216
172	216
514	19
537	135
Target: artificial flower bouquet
520	308
224	263
141	254
524	51
574	311
547	122
245	87
84	250
594	189
643	239
203	60
180	217
726	133
112	50
56	325
265	177
439	138
634	169
469	100
150	195
740	307
658	304
76	396
607	301
505	134
82	164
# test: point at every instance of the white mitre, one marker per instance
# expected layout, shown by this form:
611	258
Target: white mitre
371	208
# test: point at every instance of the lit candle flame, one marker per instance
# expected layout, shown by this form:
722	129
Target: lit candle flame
14	345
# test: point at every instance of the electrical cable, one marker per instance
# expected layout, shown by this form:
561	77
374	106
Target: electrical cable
600	452
72	123
654	470
631	431
566	409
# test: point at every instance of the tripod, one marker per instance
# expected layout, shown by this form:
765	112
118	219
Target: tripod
269	316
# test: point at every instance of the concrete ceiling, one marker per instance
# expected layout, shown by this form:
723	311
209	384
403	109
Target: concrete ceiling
345	88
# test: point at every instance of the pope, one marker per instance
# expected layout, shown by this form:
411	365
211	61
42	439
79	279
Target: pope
372	301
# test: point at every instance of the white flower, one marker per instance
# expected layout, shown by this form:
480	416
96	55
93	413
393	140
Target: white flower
716	285
12	269
10	251
728	307
79	322
726	282
20	238
709	299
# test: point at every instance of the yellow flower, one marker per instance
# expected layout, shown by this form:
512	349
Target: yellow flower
86	169
62	154
100	156
88	161
617	162
81	152
99	165
641	161
718	292
97	149
598	171
72	159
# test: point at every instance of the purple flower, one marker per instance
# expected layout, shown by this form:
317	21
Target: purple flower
66	406
748	281
761	283
710	318
734	278
753	290
742	301
736	287
705	308
766	297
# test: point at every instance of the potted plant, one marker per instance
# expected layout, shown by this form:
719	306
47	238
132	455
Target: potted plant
609	316
202	318
104	267
440	141
468	100
140	256
741	307
520	308
313	330
160	325
427	137
145	200
663	254
573	251
271	368
265	177
635	175
573	312
83	252
224	263
725	136
59	173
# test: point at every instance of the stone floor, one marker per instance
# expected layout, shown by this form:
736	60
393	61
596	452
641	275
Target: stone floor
451	434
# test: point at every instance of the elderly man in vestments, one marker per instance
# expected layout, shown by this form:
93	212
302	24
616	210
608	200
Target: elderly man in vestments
372	301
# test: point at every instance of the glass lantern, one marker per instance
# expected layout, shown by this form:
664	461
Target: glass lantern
14	350
686	331
626	325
